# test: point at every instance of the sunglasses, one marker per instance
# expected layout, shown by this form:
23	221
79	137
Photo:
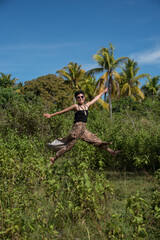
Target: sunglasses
80	97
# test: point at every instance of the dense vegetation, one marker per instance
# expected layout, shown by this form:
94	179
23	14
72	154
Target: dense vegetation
43	202
86	194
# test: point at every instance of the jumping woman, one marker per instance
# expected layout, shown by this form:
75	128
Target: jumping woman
79	131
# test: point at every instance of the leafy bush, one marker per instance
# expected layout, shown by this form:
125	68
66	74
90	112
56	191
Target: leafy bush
41	202
72	190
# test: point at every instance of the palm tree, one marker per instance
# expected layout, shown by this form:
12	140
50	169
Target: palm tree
106	61
130	82
92	88
6	81
72	74
151	88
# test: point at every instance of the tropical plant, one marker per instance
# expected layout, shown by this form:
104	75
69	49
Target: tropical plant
8	95
106	61
72	74
6	81
91	87
137	209
151	88
51	89
130	82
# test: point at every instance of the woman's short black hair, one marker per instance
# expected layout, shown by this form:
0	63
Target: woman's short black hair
78	92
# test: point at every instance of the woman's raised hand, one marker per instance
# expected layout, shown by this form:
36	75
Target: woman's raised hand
47	115
105	90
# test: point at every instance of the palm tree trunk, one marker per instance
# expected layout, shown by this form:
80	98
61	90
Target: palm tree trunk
110	91
105	95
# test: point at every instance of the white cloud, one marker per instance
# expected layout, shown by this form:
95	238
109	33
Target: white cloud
151	56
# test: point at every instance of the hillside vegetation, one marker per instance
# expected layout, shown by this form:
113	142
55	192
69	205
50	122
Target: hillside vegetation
86	194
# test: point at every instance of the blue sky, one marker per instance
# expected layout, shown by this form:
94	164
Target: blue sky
39	37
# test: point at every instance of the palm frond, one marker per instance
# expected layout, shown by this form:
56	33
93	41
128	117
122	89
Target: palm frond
106	61
64	74
141	76
104	76
133	98
94	71
111	48
155	80
138	92
116	75
103	103
99	59
102	82
120	60
124	89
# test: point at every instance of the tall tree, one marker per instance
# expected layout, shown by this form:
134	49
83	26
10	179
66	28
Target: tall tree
51	89
72	74
107	63
6	81
130	81
151	88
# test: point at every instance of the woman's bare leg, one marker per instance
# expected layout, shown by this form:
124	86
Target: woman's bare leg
63	150
112	152
94	140
52	160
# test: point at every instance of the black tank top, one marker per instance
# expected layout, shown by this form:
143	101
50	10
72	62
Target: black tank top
81	116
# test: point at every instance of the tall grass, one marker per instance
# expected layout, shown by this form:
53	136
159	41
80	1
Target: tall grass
80	196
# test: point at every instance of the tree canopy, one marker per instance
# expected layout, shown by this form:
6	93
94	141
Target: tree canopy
130	81
151	88
51	89
72	73
107	63
6	81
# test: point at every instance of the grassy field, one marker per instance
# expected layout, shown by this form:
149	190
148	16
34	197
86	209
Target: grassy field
115	224
71	202
78	198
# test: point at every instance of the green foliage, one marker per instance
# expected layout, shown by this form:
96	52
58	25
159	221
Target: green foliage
23	116
68	191
6	81
143	215
154	215
135	132
92	88
130	81
151	88
51	89
113	227
8	95
137	209
72	74
107	62
38	201
82	189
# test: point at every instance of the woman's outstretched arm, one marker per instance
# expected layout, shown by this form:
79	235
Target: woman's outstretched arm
96	98
71	108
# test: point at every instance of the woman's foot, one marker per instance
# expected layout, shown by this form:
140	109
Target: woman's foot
104	145
115	152
109	143
52	160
